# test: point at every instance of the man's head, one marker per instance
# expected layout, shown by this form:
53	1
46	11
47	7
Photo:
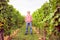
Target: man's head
28	12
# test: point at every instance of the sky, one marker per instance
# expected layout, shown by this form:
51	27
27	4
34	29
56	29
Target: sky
27	5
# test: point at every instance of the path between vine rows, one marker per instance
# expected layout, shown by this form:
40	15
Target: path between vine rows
18	34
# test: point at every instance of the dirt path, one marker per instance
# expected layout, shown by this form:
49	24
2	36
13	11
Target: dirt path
21	35
17	30
12	35
37	32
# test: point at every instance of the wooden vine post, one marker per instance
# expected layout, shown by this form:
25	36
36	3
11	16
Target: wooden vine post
1	31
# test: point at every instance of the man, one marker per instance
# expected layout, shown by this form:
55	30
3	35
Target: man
28	20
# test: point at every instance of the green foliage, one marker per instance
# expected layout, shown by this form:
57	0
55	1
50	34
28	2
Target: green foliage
10	17
44	17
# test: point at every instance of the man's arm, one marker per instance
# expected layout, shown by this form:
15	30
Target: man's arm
31	18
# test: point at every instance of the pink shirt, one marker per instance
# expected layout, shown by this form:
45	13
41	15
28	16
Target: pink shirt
28	18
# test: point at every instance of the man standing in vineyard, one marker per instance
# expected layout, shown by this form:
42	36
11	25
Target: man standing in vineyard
28	20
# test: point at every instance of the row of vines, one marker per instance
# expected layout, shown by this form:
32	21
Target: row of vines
10	18
47	19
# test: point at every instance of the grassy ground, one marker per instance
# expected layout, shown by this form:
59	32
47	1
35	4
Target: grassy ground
21	35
